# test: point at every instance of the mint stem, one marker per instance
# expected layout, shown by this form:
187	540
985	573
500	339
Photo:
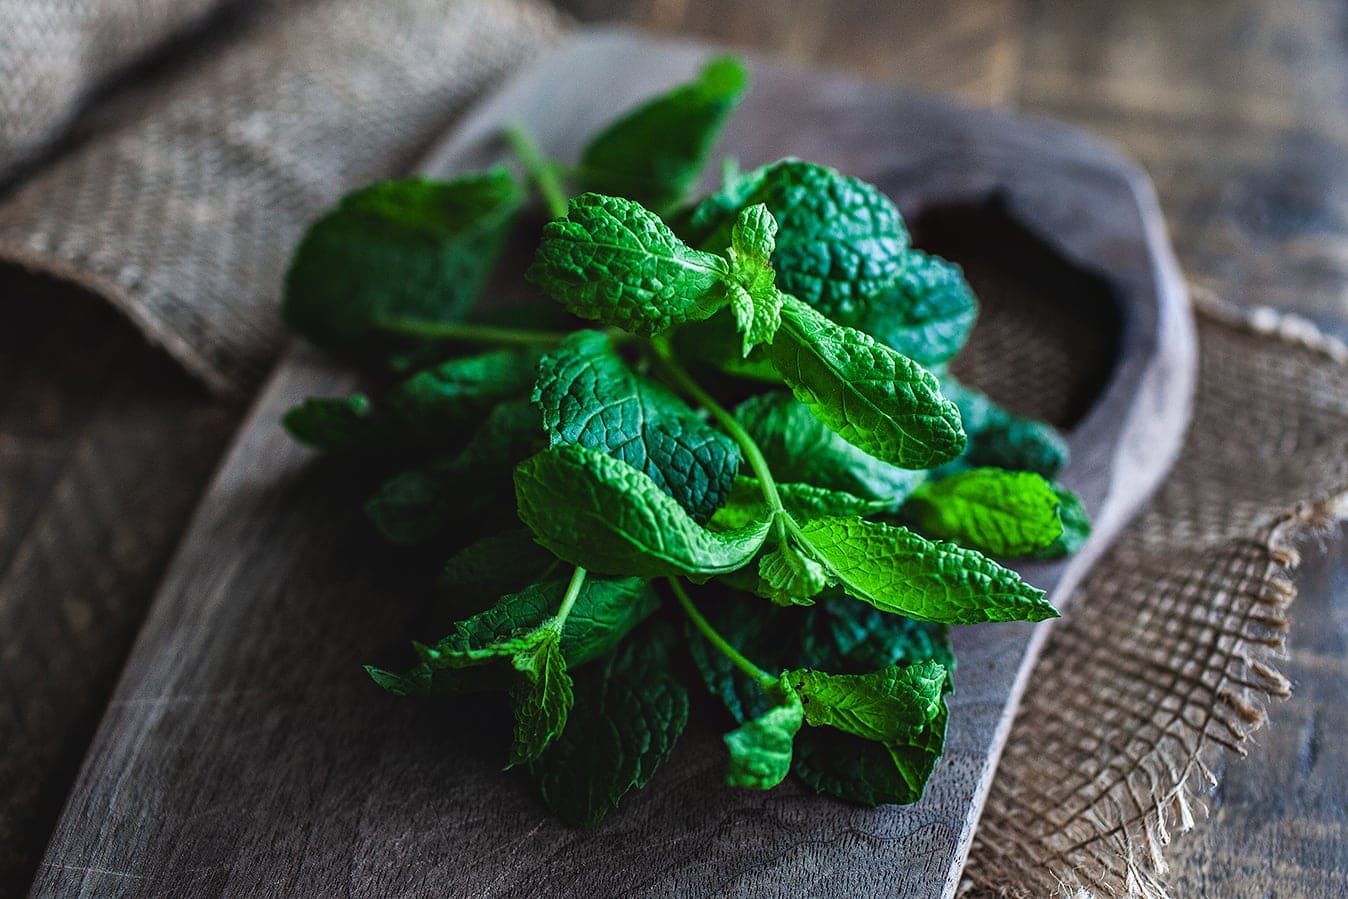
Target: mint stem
684	381
542	172
761	677
569	599
469	333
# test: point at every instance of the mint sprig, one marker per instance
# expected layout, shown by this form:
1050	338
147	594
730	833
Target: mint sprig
578	480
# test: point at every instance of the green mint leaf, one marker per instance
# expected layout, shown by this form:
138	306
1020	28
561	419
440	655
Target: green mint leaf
612	260
1003	439
927	314
887	706
802	449
628	714
493	566
868	773
602	514
754	297
414	249
1002	513
589	397
898	571
416	682
1076	526
803	501
541	700
841	240
854	637
655	153
875	399
760	749
333	423
788	576
433	401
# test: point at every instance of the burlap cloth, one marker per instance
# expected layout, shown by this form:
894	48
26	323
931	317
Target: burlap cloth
181	209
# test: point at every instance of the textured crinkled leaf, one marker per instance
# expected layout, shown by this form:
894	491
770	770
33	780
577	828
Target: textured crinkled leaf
760	749
754	297
589	397
333	423
867	773
613	260
800	448
1000	512
1003	439
628	714
803	501
602	514
890	705
926	314
840	239
1076	526
874	398
541	699
414	249
436	399
898	571
655	153
789	577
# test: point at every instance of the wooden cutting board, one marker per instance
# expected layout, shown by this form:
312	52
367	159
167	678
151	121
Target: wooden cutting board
246	754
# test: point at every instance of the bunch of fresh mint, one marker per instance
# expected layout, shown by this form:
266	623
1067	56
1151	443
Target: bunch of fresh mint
762	412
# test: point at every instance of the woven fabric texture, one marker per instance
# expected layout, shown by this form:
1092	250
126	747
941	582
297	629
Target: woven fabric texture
184	216
1165	654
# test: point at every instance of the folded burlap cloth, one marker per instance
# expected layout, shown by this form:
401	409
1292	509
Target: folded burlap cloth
183	209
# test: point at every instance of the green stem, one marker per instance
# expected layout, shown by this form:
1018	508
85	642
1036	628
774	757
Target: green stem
761	677
469	333
759	465
541	171
569	599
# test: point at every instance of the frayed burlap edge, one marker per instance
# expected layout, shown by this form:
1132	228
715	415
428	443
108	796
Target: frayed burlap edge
1116	848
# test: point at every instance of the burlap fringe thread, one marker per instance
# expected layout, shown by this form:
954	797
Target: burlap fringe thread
1105	836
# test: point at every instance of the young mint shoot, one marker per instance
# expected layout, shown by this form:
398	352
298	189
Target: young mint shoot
725	406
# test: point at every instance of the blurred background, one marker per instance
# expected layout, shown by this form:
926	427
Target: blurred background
1238	109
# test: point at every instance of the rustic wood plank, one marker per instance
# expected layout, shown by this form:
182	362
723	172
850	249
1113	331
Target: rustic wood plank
244	753
104	447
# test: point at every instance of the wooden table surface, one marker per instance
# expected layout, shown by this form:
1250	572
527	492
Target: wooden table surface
1237	108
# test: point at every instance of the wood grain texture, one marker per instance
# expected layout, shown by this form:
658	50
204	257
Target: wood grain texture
245	754
104	447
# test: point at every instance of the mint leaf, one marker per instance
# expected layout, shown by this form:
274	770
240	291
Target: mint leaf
927	314
841	240
760	749
898	571
875	399
1003	439
413	249
869	773
754	298
542	700
655	153
803	501
602	514
333	423
1003	513
887	706
788	576
434	400
589	397
1076	526
612	260
800	448
495	565
628	714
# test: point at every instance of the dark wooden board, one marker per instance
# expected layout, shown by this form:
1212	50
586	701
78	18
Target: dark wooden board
244	753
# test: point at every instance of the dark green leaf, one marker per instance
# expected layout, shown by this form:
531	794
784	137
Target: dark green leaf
333	423
1076	526
612	260
868	773
1002	439
413	249
655	153
927	314
435	401
875	399
898	571
628	714
1000	512
589	397
602	514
